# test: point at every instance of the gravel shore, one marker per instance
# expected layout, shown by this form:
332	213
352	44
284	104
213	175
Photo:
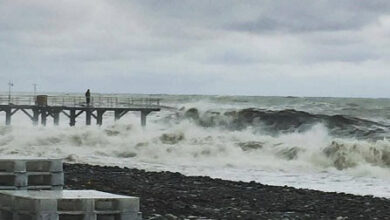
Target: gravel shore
167	195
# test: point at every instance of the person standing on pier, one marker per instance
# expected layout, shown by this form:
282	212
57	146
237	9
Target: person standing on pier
88	97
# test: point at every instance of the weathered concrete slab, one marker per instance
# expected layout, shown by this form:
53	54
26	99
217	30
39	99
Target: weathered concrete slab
68	204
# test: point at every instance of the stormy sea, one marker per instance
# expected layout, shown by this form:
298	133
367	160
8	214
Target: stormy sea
327	144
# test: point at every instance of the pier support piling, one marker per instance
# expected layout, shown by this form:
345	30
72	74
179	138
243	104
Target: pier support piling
8	115
88	117
35	116
43	117
143	117
117	114
99	118
56	117
72	117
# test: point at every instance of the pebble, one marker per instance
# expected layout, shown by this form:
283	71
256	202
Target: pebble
166	195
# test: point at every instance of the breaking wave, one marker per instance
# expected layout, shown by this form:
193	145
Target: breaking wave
248	138
287	121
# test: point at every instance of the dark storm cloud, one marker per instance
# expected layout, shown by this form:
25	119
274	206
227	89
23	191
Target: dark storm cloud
203	46
304	16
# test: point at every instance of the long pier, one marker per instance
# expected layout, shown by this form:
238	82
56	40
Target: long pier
75	106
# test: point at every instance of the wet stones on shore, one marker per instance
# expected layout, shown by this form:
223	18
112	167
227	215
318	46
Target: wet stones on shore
167	195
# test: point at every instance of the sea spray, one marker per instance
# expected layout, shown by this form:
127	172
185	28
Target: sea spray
188	143
278	146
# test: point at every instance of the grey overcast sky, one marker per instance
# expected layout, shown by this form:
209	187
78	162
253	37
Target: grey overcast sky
249	47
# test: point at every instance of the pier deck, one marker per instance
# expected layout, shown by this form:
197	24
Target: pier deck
74	106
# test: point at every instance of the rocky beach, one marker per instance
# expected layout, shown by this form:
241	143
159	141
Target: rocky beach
168	195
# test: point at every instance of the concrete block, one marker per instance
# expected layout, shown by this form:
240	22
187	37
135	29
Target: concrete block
6	215
34	205
123	205
26	179
30	165
69	204
6	202
75	205
48	165
44	179
41	216
88	216
12	165
13	179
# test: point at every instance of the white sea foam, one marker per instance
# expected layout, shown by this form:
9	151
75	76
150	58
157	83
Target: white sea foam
310	159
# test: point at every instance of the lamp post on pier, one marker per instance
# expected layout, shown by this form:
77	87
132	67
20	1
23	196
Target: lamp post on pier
35	93
35	89
10	84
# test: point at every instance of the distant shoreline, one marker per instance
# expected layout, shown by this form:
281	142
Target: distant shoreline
167	195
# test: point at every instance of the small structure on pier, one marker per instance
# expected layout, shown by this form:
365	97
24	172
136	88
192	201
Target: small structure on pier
42	107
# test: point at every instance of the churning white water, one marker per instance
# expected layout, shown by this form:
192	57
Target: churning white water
207	135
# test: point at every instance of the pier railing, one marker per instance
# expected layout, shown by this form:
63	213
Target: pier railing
76	101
